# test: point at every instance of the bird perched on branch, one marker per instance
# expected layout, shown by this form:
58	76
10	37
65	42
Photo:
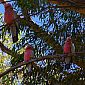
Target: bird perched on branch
28	54
9	19
68	48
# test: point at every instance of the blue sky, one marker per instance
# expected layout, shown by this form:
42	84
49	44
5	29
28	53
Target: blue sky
1	8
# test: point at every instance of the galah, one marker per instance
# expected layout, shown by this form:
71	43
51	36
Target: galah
9	19
28	54
68	48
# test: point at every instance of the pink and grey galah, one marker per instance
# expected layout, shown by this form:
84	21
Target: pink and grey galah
68	48
28	54
9	19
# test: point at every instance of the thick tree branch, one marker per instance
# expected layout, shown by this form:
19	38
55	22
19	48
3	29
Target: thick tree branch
41	33
71	6
58	57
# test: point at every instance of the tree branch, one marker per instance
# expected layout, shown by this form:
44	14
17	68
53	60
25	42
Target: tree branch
41	33
58	57
77	8
8	51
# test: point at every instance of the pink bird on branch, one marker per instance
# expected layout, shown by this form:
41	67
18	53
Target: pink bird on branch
10	20
28	54
68	48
